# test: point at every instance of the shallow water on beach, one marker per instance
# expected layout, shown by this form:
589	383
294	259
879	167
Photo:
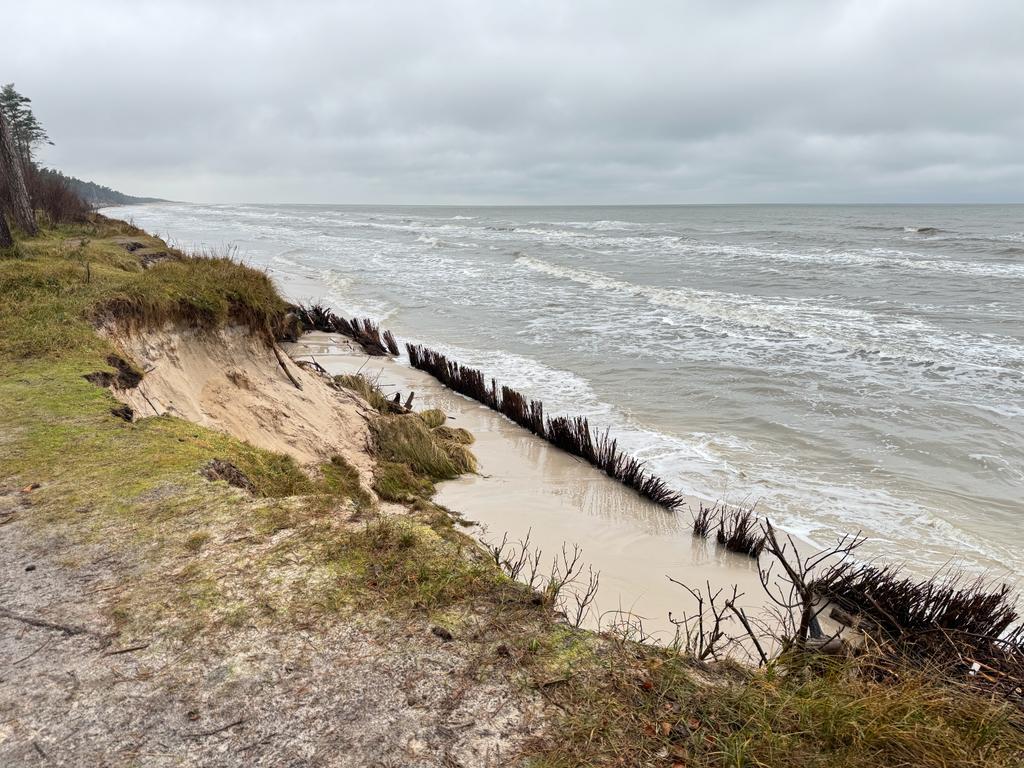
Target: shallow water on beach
844	367
531	491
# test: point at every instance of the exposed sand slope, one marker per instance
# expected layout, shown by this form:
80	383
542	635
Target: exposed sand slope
229	380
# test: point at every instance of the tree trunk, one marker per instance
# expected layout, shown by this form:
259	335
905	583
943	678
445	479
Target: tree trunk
13	182
6	241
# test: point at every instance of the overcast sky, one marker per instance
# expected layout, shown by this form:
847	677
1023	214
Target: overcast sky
534	102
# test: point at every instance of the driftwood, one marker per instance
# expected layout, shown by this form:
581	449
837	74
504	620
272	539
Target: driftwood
280	361
311	365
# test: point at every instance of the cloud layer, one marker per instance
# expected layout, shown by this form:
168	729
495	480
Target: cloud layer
545	102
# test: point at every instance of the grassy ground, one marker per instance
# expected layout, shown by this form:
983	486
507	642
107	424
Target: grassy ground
200	559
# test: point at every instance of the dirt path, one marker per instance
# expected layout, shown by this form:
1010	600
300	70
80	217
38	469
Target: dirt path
358	692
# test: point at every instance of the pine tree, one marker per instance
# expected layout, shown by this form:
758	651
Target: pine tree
26	131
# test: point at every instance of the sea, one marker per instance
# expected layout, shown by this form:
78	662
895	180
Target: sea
841	368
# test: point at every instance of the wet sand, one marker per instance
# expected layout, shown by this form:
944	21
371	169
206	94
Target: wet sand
527	487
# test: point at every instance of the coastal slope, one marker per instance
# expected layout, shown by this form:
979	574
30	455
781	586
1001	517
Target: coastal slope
205	564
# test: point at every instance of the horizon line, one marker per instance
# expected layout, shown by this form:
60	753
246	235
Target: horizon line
567	205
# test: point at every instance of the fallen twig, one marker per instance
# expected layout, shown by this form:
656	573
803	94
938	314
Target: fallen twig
43	623
204	734
37	650
130	649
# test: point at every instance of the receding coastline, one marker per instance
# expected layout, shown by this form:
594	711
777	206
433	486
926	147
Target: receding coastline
171	604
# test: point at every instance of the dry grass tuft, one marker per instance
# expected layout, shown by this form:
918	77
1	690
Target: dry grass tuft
365	388
433	418
635	705
415	456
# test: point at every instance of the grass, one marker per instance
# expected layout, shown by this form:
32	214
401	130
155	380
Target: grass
408	565
840	717
70	277
633	705
415	450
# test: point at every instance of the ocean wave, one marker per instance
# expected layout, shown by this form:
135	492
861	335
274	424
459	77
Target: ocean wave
655	245
601	225
875	258
909	339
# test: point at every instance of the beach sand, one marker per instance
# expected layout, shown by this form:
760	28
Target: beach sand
527	487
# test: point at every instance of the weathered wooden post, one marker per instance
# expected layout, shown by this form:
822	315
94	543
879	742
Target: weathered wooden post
12	181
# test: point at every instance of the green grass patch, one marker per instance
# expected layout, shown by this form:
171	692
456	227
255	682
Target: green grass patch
407	564
395	481
408	440
62	282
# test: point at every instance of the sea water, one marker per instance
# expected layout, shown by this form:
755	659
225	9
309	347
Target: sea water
844	368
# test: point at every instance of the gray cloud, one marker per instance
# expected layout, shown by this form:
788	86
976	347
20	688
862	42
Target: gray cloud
850	100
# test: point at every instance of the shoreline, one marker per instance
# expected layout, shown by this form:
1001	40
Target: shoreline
224	557
526	486
794	466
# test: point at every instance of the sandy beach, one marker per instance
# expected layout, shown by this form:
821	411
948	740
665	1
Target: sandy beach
526	487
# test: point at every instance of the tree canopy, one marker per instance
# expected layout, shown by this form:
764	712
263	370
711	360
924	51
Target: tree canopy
26	131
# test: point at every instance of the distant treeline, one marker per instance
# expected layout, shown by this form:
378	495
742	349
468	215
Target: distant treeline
27	190
96	195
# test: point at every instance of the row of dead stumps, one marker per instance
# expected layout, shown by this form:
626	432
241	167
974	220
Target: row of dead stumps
959	625
570	433
365	332
950	620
